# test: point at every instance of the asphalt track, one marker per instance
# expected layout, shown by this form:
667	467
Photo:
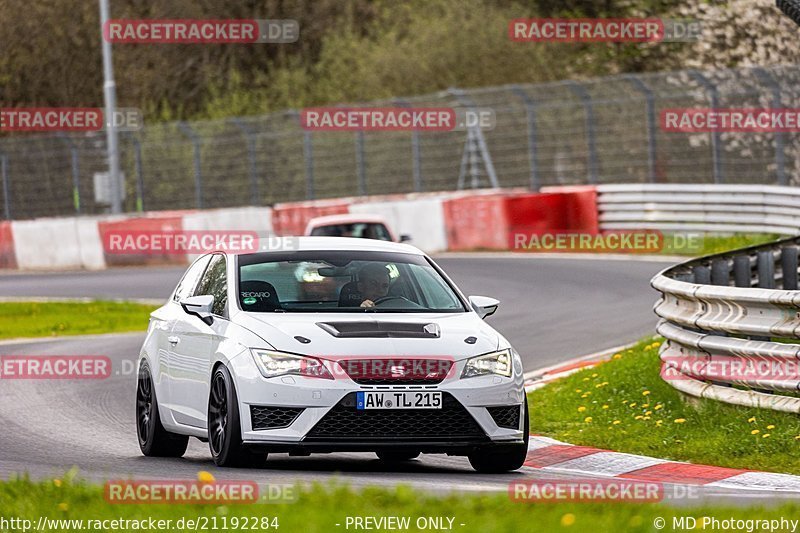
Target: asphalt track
551	310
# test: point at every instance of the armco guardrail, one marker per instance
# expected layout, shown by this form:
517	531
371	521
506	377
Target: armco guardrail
702	208
732	326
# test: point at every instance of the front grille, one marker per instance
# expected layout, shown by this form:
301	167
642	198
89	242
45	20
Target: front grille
265	417
397	371
345	422
505	416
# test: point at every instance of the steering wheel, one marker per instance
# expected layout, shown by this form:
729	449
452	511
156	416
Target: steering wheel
388	298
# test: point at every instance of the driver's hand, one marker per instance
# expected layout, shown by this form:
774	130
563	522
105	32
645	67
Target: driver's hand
367	303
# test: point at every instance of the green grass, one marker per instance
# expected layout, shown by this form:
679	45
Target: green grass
34	319
624	405
319	510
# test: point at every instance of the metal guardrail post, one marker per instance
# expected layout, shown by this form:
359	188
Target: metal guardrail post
250	138
720	272
766	269
742	271
789	267
76	171
533	156
198	175
780	136
591	136
650	113
716	136
701	275
6	188
361	171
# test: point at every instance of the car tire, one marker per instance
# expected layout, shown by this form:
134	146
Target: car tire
224	424
396	456
503	458
154	440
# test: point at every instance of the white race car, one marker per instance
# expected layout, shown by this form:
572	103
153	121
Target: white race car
386	355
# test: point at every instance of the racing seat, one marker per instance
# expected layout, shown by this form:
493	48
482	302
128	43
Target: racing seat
266	298
349	295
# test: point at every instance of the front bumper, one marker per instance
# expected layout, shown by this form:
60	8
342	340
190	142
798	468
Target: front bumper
325	403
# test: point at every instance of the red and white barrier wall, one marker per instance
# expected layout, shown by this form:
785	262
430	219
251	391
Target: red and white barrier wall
436	222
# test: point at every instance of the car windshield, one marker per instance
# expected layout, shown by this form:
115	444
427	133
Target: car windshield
346	282
364	230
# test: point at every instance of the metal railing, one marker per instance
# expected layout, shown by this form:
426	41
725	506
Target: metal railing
700	208
562	133
732	326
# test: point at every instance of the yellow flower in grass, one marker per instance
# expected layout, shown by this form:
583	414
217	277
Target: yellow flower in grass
205	477
765	436
646	418
645	405
648	413
657	407
617	356
588	419
680	420
659	422
594	375
578	391
585	395
585	379
63	506
771	426
633	404
581	409
755	432
57	482
615	422
646	393
567	520
797	437
605	406
751	419
638	417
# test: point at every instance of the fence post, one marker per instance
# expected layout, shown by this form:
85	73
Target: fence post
716	137
76	168
780	136
591	136
533	156
650	111
361	171
198	176
416	153
6	188
308	155
251	159
475	139
137	168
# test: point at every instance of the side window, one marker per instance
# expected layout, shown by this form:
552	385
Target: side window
190	278
215	283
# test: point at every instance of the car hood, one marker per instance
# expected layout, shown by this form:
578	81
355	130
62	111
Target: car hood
344	335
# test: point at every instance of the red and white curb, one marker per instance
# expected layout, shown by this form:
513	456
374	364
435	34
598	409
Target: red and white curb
546	454
550	455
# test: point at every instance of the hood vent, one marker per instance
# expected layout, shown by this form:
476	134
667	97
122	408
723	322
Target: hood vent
399	330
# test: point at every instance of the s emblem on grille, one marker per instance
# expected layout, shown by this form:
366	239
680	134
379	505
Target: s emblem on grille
398	371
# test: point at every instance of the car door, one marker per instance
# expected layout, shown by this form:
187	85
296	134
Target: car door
193	343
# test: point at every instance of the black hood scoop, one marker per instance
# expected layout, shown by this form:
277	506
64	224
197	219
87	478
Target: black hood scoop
397	330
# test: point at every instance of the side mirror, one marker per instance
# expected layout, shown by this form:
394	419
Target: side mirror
199	306
483	305
405	238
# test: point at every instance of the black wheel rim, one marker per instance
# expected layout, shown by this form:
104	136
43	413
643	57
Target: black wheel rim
217	415
144	405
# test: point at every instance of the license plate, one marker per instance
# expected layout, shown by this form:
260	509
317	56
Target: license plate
398	400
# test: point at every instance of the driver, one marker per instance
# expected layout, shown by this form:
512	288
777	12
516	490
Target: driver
373	283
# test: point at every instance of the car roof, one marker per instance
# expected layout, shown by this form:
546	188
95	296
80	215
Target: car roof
291	244
348	218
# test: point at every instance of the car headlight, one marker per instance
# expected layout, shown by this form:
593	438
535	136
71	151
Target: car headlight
272	364
493	363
